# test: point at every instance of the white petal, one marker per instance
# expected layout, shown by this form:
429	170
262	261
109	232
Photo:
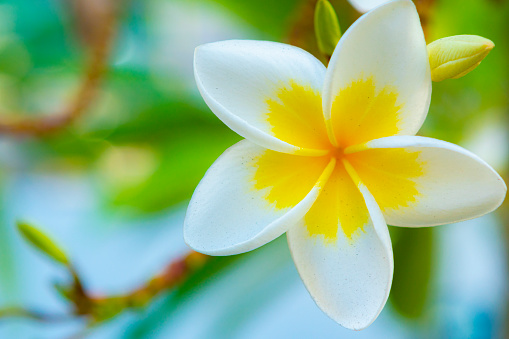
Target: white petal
453	185
385	47
349	278
229	214
366	5
237	78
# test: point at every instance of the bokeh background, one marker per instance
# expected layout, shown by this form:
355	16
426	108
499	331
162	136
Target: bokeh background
111	183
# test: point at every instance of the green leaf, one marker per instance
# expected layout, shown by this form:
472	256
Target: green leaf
14	57
327	28
42	242
182	162
271	18
413	268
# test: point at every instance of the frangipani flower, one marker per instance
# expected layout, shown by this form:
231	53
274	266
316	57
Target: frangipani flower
366	5
331	157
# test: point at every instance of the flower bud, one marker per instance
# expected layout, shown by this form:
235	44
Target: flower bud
42	242
455	56
327	29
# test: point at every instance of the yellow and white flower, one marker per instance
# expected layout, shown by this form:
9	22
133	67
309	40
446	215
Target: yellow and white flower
331	157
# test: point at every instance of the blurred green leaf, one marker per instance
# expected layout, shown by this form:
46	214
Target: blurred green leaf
42	242
270	17
44	28
14	58
184	161
183	134
413	268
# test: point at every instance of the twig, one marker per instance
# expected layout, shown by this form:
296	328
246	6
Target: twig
20	312
175	273
100	308
84	97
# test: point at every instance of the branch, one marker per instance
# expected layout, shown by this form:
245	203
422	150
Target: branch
173	275
101	308
20	312
46	124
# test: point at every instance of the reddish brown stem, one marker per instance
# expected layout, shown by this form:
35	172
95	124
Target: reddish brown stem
104	307
18	312
99	308
174	274
46	124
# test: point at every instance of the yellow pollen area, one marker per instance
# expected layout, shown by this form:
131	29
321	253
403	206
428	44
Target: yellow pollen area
295	116
390	175
339	205
361	112
286	178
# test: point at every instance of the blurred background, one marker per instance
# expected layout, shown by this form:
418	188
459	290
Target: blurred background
104	136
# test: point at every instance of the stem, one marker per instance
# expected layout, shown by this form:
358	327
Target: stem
86	93
20	312
100	308
173	275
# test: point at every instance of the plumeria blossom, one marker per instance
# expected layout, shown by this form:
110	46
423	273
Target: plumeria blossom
366	5
331	158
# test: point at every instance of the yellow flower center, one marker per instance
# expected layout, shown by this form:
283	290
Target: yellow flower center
337	152
360	112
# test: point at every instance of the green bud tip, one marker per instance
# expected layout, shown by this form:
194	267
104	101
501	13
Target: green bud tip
327	29
42	242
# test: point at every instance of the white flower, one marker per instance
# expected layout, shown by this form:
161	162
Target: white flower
366	5
331	156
